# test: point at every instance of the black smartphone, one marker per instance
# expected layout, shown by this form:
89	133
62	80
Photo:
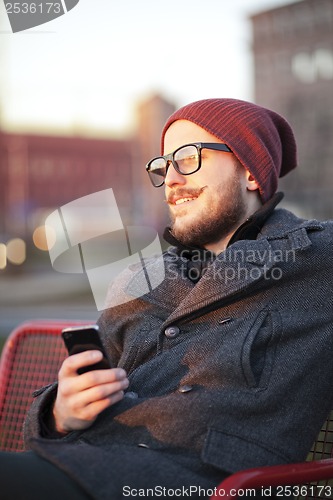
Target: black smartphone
85	338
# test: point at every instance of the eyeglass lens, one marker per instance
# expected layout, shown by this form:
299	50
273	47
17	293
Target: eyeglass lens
186	158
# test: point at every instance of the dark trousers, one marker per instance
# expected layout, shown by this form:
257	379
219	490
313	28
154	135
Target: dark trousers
26	476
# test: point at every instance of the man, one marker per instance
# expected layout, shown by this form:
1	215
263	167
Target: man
228	363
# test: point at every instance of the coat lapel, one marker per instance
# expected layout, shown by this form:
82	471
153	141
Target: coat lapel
235	270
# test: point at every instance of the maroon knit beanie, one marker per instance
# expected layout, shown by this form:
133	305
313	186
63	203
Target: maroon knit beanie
261	139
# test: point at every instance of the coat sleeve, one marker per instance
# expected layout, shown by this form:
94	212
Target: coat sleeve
36	421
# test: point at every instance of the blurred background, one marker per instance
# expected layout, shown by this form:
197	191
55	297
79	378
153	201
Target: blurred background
83	99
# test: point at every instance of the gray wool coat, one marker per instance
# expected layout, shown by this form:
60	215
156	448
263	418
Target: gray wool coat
233	372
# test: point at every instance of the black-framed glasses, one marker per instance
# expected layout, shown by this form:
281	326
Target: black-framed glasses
186	160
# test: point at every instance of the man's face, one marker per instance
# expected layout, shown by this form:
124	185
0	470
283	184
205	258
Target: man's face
207	206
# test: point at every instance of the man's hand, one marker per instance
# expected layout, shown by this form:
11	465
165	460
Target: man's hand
81	398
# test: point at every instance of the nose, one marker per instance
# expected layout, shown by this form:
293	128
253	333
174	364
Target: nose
173	177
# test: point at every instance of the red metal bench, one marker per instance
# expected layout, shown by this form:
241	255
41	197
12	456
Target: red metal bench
31	358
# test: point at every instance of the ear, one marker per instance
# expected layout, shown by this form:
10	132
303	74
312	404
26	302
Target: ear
251	183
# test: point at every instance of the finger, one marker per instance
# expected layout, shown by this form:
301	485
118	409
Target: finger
98	393
97	377
91	411
76	361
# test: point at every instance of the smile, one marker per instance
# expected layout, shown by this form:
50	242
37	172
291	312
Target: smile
183	200
181	196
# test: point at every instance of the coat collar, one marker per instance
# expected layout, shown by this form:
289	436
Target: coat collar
282	222
247	262
197	260
243	264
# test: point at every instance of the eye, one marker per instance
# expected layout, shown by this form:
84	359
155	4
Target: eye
188	159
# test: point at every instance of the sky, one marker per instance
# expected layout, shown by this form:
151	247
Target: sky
85	71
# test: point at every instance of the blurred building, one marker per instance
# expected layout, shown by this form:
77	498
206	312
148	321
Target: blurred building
40	173
151	117
293	68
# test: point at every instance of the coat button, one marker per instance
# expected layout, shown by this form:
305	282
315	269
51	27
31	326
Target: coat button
171	332
223	321
131	395
185	388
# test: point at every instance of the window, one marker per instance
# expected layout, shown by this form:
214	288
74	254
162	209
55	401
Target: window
309	67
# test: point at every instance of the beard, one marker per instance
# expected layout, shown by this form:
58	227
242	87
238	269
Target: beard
222	214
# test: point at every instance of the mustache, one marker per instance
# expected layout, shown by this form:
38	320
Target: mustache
183	193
